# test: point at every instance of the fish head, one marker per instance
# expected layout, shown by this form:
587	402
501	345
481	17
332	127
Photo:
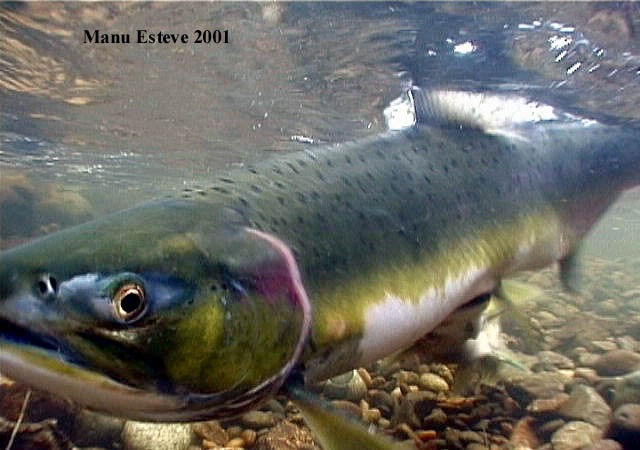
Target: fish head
150	315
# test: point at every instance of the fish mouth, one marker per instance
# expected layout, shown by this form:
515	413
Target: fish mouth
43	362
40	362
13	334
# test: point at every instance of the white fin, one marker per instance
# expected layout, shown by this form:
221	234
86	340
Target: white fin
491	113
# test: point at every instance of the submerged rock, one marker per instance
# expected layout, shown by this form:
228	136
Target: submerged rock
627	390
90	428
528	387
211	431
575	435
617	362
585	404
285	436
348	386
433	382
144	436
258	419
625	426
548	360
604	444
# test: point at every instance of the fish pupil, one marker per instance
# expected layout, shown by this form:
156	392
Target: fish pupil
130	303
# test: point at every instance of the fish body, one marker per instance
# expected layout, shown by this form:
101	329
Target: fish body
309	264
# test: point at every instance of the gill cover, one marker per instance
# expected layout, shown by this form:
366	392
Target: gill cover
165	320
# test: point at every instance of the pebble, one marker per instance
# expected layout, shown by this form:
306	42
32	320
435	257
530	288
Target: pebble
365	377
433	382
212	431
234	431
143	436
625	426
348	407
587	374
549	360
575	435
617	362
584	403
476	446
627	390
426	435
372	415
418	404
235	443
627	417
285	436
90	428
258	419
471	436
452	436
436	419
547	405
627	343
547	428
604	444
349	386
442	370
528	387
381	400
406	377
249	437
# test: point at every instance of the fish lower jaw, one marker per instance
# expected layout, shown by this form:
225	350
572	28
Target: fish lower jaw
44	369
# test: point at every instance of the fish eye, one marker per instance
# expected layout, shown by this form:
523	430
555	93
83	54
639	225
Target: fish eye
129	302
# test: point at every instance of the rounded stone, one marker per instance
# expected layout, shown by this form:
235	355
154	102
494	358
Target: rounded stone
548	360
366	377
381	400
348	407
617	362
284	436
143	436
258	419
211	431
547	405
437	419
627	417
627	390
406	377
90	428
249	437
575	435
584	403
235	443
372	415
625	426
604	444
527	387
348	386
433	382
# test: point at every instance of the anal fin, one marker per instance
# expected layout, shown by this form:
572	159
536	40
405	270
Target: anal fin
333	430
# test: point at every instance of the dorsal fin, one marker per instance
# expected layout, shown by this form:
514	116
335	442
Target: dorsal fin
490	113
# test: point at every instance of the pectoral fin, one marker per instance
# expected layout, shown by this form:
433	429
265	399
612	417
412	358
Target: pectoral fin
333	429
570	272
512	294
509	302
